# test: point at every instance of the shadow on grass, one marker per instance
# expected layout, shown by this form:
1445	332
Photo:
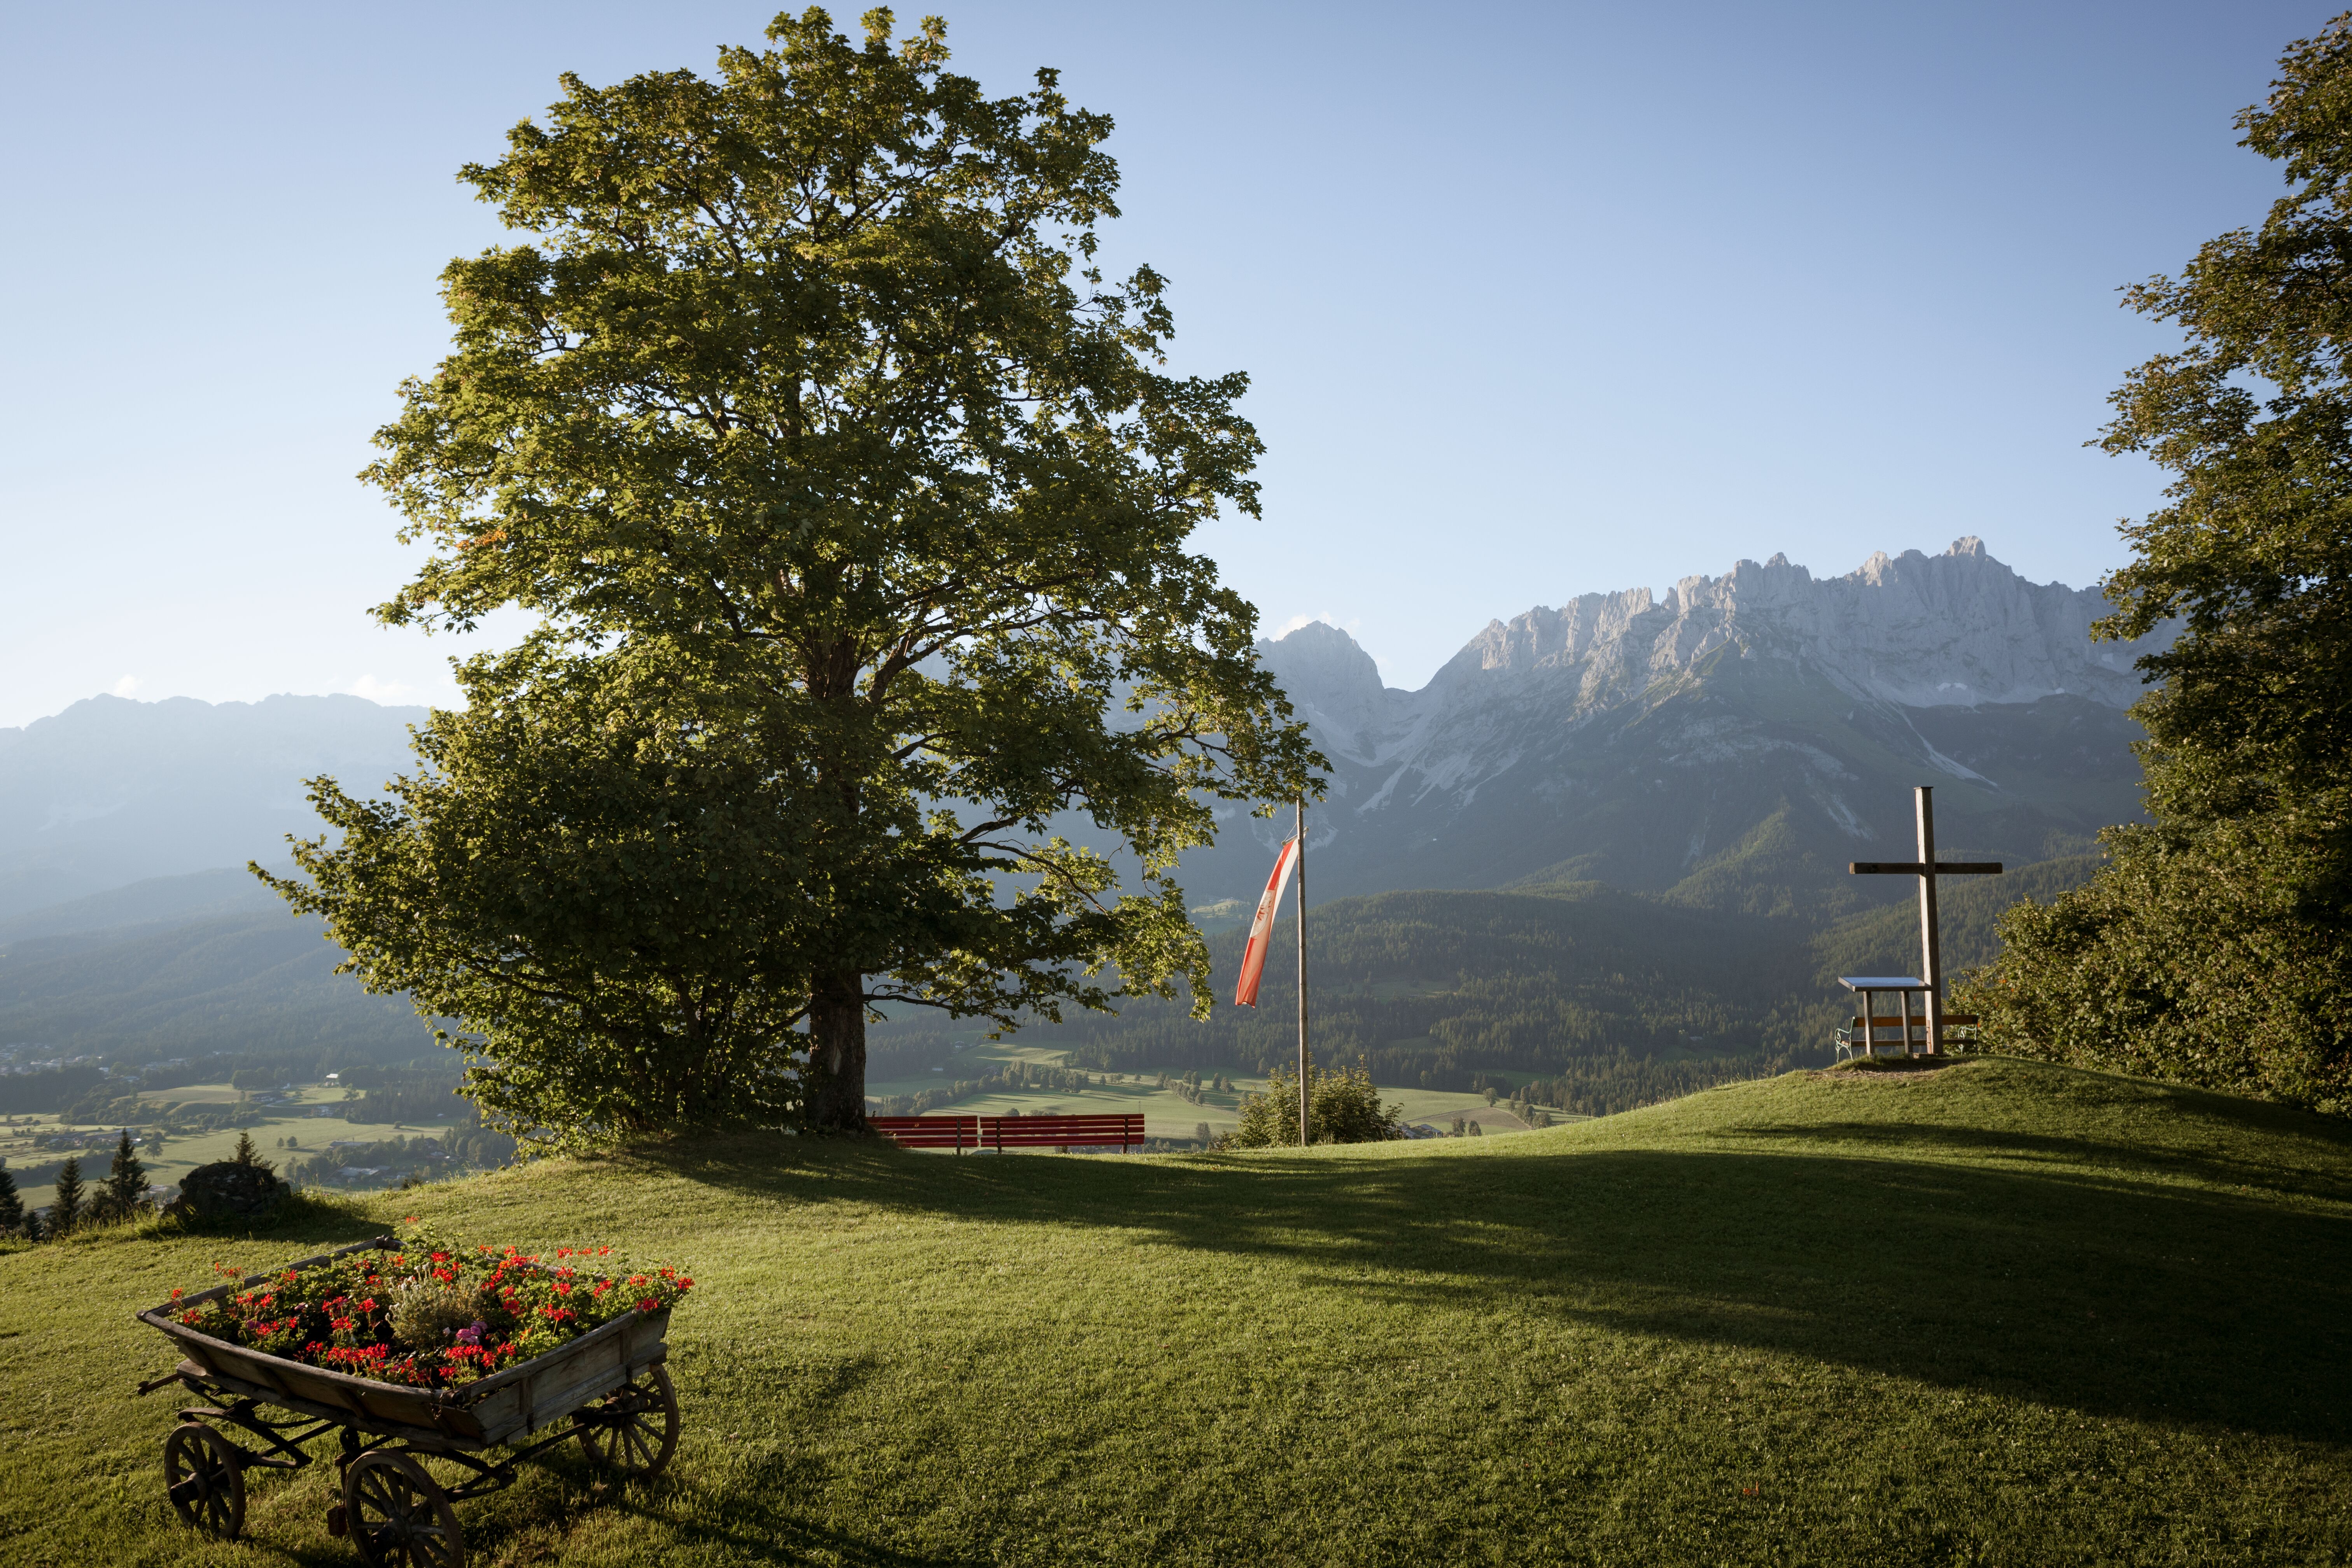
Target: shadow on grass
2071	1287
2089	1157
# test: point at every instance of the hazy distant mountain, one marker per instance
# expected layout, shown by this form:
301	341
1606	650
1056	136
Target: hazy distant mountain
1736	742
1733	745
112	792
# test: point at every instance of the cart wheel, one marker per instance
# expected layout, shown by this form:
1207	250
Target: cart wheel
631	1432
204	1478
398	1518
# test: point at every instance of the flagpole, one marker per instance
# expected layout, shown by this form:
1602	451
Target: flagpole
1300	872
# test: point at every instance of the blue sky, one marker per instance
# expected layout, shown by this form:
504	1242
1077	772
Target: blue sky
1537	301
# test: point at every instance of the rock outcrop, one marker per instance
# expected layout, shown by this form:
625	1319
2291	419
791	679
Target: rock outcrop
1641	739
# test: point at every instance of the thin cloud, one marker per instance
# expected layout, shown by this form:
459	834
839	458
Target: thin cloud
391	693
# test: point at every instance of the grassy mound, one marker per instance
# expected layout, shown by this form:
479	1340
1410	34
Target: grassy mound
2003	1312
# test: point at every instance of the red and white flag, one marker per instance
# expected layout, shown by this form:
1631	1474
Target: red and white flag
1261	927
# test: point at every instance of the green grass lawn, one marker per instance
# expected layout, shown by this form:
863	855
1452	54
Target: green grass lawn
2004	1313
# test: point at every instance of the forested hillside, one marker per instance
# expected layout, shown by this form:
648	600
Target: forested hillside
1610	999
252	983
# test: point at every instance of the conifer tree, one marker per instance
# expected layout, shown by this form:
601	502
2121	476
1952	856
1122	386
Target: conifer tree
126	1183
247	1155
65	1204
12	1207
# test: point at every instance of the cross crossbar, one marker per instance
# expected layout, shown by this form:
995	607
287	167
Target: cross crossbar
1914	868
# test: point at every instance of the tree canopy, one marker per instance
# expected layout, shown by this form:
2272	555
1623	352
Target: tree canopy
2213	945
851	499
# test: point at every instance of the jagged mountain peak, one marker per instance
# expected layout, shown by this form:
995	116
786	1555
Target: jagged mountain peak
1764	717
1331	680
1960	629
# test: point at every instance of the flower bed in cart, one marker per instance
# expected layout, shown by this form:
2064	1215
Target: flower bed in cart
429	1313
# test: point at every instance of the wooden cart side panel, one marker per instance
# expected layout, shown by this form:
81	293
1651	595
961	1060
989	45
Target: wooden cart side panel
364	1399
548	1388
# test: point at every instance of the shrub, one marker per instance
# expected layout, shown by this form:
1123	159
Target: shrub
1341	1108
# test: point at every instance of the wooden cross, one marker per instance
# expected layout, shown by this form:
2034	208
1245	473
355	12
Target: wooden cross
1928	869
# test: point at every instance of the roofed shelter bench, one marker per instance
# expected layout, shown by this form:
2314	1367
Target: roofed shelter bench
1904	1029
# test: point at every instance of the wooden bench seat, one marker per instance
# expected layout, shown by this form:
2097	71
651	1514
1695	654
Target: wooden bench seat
1002	1133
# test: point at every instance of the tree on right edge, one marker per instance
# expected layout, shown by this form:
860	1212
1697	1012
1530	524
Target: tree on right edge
2212	946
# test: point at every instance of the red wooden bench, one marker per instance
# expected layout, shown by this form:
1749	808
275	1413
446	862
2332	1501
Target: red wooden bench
1001	1132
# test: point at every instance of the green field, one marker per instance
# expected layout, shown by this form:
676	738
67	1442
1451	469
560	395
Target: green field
2000	1313
182	1154
1166	1113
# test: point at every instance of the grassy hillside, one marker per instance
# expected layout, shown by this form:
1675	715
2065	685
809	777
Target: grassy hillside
2004	1313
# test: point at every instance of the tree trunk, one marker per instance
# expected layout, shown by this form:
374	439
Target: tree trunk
837	1053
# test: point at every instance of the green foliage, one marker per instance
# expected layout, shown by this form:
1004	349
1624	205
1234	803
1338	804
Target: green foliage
854	505
65	1198
1341	1108
12	1207
2216	944
124	1191
247	1155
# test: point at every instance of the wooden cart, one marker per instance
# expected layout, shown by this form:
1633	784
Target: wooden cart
608	1388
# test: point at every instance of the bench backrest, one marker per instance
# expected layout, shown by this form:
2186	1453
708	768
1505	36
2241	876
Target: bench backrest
1010	1132
929	1131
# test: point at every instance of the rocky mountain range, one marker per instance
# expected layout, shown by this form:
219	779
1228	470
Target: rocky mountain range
1735	741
